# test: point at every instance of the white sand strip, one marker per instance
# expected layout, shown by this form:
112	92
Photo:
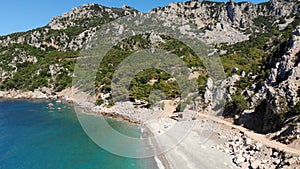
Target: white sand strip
159	163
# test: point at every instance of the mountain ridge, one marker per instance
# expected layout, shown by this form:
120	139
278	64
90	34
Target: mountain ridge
258	45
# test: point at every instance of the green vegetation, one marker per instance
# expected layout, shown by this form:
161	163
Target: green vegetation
254	56
266	41
236	106
247	59
263	21
141	87
181	50
201	81
181	106
31	75
294	111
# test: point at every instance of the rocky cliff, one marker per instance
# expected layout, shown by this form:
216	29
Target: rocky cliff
227	22
258	44
69	31
275	100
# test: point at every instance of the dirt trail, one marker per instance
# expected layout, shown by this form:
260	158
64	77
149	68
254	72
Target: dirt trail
168	109
255	136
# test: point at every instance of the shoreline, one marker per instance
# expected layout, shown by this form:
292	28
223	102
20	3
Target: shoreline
88	107
165	160
160	160
168	159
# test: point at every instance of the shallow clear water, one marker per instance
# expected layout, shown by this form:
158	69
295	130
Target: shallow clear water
34	136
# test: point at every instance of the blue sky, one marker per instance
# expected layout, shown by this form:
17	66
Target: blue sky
23	15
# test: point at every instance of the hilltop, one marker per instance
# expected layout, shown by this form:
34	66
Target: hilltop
258	44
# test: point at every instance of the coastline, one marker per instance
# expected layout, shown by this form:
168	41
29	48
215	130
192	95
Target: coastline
224	143
86	108
160	159
163	160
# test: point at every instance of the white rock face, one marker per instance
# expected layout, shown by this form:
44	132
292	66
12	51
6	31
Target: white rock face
208	95
282	90
52	35
42	93
154	38
226	35
87	11
81	39
23	59
222	22
54	69
2	94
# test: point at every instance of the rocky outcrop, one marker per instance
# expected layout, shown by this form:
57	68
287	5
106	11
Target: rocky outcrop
230	10
219	23
69	31
41	38
225	22
78	42
247	153
284	83
42	93
83	16
276	101
290	134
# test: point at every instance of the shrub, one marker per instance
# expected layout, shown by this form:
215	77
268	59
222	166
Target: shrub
181	106
236	106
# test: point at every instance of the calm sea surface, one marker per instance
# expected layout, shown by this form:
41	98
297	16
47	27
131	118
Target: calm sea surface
33	136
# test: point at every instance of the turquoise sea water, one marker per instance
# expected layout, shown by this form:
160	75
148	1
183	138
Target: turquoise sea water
32	136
